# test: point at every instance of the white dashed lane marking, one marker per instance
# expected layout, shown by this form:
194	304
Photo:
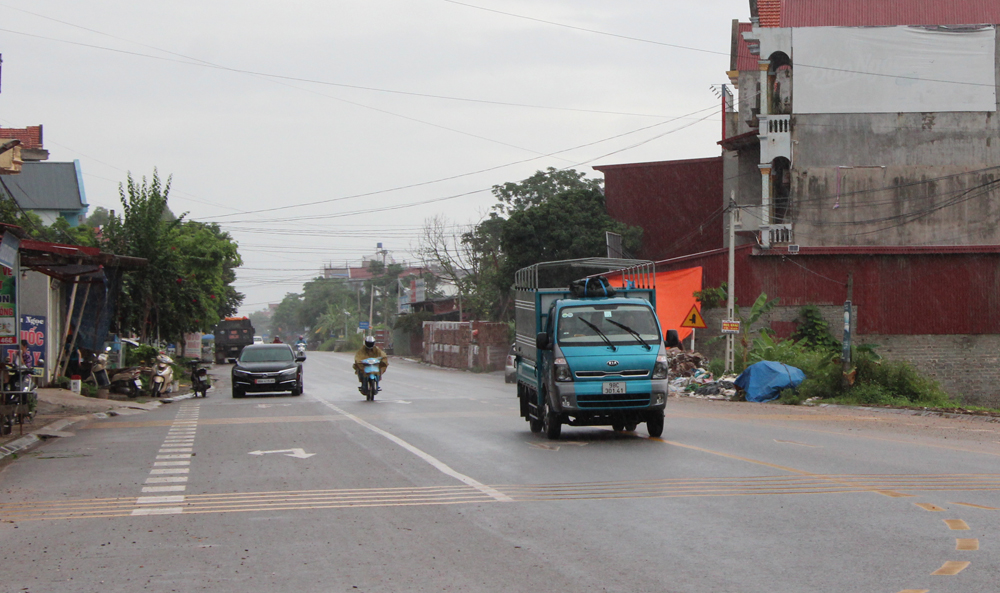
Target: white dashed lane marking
171	467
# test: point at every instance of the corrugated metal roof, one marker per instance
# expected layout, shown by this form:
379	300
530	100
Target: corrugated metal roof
881	13
769	13
46	186
744	59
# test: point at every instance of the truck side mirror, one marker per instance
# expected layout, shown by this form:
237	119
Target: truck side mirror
542	341
671	340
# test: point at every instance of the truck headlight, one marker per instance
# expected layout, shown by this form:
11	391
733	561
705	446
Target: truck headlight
561	370
661	368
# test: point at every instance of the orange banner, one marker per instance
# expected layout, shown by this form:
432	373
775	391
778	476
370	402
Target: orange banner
674	297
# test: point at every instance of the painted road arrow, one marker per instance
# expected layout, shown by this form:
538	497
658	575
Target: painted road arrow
298	453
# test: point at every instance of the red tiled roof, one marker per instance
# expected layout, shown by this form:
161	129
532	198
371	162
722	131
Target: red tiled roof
30	137
881	13
744	59
769	12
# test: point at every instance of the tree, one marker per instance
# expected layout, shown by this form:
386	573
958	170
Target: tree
551	215
99	217
187	283
538	188
569	225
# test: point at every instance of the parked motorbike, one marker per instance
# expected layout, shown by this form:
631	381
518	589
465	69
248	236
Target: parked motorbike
17	398
98	370
370	378
161	376
199	379
127	381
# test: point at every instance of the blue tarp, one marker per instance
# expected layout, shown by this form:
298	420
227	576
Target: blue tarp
765	380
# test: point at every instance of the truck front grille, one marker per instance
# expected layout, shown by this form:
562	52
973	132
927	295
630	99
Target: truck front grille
622	400
636	373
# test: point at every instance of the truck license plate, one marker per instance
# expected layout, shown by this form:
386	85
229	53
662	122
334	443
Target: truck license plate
263	381
613	388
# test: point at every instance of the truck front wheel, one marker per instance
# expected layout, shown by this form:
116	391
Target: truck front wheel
654	424
551	423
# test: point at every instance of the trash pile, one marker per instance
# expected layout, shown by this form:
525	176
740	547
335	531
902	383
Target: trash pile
690	379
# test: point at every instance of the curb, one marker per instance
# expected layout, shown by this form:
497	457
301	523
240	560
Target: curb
909	412
34	437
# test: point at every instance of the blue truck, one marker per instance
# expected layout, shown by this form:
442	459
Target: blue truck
589	354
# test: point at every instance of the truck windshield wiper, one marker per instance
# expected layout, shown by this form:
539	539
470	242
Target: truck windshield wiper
634	333
600	333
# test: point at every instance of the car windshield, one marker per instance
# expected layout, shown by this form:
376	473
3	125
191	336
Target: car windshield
271	354
583	325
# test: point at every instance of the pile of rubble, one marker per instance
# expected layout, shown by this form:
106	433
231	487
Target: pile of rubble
689	378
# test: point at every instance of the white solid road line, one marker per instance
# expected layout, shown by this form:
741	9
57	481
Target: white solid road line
435	462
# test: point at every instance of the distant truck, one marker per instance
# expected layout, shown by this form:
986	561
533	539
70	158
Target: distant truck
231	335
589	354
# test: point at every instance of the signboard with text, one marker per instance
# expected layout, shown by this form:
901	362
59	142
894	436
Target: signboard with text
730	326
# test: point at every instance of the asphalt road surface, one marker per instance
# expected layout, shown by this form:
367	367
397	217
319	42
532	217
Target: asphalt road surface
438	485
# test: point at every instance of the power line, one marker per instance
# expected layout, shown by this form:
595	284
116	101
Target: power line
450	178
194	61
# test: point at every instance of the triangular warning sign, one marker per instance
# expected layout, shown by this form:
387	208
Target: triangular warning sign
694	319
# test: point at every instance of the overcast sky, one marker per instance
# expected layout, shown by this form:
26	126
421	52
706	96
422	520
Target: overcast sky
254	105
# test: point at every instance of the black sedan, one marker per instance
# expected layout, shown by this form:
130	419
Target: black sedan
267	368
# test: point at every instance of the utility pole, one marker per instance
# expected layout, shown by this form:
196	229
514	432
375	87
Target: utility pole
731	284
845	355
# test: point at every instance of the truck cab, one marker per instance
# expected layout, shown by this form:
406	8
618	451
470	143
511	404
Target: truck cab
590	360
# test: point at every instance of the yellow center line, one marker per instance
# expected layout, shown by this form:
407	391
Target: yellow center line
976	506
929	507
817	418
967	544
951	568
956	524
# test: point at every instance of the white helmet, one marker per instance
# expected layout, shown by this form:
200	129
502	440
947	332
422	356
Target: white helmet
370	341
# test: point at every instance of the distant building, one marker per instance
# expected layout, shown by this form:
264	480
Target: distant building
50	190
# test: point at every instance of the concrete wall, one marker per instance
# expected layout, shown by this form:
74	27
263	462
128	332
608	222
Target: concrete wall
466	345
910	183
967	367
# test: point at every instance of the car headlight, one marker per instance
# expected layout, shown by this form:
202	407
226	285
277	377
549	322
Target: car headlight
239	373
661	368
562	370
289	372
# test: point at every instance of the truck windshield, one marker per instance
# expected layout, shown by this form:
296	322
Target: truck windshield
609	319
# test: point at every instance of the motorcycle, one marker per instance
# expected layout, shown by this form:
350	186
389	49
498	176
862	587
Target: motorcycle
127	381
162	375
370	378
300	349
98	370
199	379
18	400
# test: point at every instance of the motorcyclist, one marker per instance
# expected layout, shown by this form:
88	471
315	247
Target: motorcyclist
300	342
370	350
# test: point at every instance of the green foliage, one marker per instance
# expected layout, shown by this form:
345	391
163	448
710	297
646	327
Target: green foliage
351	344
711	298
187	283
541	187
551	215
413	323
814	330
142	354
877	381
898	379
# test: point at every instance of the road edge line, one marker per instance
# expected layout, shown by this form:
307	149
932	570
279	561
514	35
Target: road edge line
433	461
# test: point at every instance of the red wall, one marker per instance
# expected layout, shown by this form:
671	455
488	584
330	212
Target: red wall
678	204
901	293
